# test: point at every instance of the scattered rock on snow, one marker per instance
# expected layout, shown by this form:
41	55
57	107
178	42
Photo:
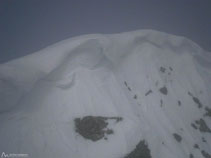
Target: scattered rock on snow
203	126
205	154
208	112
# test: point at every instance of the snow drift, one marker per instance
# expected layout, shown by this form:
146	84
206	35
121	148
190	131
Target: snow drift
158	84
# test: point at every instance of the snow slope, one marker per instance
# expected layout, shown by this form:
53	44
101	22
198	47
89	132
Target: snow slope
158	83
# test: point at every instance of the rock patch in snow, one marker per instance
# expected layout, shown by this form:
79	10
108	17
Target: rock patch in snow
94	127
141	151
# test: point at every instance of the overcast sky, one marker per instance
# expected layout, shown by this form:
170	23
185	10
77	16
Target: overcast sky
27	26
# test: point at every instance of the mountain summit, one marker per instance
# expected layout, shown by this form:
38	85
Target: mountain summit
140	94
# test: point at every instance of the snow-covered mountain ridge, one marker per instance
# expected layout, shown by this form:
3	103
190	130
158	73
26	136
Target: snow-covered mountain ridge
127	92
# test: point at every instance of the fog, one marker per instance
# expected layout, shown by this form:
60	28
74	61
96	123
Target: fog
28	26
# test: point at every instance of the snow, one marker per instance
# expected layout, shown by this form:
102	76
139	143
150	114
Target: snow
107	75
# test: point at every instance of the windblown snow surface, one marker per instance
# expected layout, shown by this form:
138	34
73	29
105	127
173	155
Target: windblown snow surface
159	84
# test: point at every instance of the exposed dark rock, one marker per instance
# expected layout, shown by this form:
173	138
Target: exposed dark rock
203	126
205	154
94	127
125	83
127	86
177	137
196	100
135	96
190	94
163	90
196	146
179	102
191	156
170	68
162	69
194	126
141	151
208	112
148	92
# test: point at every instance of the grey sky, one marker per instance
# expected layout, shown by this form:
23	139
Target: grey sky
27	26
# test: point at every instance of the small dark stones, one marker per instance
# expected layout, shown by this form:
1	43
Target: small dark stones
203	140
94	127
148	92
141	151
191	156
197	101
127	86
135	96
163	90
179	103
162	69
170	68
194	126
208	112
125	83
203	126
177	137
196	146
205	154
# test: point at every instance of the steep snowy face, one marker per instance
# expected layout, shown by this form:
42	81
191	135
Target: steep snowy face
137	94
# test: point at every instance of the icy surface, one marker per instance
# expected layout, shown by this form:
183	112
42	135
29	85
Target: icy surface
158	83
